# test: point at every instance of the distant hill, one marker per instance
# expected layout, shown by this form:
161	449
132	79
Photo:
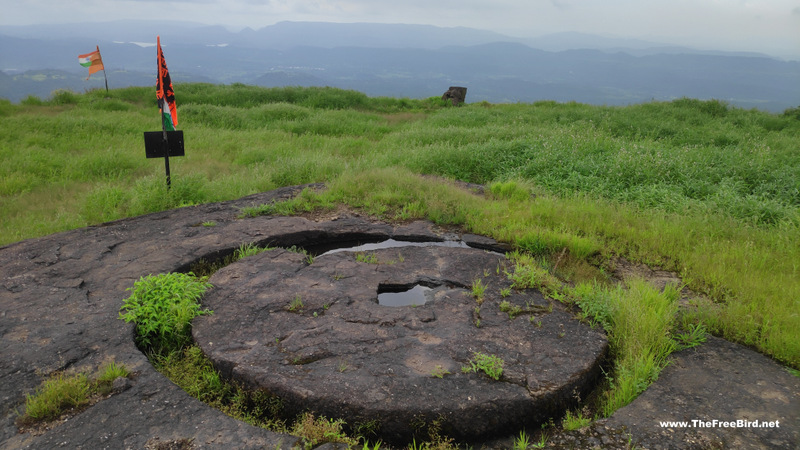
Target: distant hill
395	60
286	35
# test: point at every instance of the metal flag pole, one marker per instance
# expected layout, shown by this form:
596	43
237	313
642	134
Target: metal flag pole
166	144
104	68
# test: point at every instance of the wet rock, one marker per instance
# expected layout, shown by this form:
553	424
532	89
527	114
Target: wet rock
316	336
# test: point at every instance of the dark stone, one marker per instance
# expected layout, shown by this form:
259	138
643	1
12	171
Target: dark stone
120	384
456	94
343	355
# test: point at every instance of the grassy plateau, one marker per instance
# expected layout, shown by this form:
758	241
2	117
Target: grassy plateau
696	187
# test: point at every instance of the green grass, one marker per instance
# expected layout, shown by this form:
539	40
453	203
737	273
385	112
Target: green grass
367	258
190	369
63	392
696	187
296	305
491	365
57	394
574	421
111	372
640	321
478	290
319	430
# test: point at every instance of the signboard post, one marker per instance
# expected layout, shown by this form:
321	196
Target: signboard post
163	144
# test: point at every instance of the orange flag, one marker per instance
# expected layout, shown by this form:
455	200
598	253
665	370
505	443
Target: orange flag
164	92
93	61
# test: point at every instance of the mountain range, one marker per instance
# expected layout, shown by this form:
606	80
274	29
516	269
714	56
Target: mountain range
397	60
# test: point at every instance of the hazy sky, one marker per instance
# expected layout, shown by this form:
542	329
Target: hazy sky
769	26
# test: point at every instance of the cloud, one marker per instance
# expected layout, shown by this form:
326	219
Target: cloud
702	23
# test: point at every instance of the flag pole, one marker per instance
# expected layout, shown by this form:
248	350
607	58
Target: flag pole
163	122
104	68
166	149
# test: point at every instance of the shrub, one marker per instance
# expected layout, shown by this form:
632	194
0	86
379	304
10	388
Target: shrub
162	307
63	97
31	100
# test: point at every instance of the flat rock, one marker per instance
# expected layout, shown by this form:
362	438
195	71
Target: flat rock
342	354
720	395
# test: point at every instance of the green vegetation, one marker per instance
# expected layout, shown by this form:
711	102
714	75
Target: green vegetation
692	337
193	372
512	310
204	269
57	394
316	431
111	372
491	365
696	187
162	307
522	442
439	371
639	320
367	258
62	392
309	258
296	305
478	290
530	273
574	421
246	250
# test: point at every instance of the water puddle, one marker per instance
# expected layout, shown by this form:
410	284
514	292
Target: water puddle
391	243
415	296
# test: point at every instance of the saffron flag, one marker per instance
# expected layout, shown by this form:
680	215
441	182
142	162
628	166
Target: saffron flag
164	92
93	61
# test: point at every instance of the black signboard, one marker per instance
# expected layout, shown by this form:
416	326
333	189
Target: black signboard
154	143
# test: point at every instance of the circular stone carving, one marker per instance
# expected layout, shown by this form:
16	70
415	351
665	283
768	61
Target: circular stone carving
315	335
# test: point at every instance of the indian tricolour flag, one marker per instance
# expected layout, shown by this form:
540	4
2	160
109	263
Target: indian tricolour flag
92	61
164	92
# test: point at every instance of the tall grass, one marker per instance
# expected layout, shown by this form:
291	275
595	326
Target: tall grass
750	273
693	186
639	321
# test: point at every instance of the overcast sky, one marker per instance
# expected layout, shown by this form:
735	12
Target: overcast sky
769	26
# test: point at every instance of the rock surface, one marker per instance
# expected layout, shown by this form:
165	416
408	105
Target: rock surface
718	381
317	336
456	95
60	297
